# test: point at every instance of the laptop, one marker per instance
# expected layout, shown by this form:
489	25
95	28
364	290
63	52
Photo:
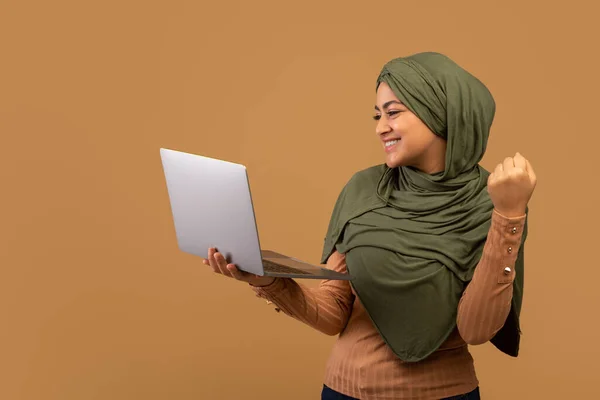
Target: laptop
211	206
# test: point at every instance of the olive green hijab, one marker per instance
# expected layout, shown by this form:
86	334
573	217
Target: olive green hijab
412	240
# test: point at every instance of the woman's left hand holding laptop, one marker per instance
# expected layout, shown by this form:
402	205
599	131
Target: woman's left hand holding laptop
219	265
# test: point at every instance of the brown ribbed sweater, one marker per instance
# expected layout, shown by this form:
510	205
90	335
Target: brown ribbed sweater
361	365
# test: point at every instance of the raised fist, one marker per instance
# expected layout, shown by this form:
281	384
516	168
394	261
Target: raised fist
511	185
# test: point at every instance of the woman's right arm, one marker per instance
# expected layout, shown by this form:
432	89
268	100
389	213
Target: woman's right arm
326	308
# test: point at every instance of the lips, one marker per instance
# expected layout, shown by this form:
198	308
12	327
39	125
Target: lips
389	145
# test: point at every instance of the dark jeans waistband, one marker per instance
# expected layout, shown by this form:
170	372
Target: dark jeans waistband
329	394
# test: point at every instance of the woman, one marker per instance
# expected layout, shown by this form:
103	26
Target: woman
434	243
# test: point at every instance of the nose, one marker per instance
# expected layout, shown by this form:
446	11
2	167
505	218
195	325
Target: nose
382	126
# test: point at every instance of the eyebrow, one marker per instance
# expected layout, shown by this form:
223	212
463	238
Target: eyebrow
387	104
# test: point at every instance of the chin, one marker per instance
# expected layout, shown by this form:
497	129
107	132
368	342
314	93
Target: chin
394	161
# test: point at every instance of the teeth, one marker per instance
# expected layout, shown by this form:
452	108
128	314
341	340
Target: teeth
390	143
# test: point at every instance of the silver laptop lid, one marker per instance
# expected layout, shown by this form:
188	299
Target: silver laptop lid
212	206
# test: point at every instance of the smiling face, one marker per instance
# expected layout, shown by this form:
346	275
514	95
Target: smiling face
406	140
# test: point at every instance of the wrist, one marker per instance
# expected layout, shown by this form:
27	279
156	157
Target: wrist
511	213
263	283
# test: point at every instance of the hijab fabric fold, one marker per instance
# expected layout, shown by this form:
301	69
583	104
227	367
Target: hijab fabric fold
412	240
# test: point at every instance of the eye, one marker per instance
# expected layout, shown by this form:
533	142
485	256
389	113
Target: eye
390	114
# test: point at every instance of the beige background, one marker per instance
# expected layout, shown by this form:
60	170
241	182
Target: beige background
96	301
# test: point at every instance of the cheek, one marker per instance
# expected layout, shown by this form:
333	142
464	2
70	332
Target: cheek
405	125
398	125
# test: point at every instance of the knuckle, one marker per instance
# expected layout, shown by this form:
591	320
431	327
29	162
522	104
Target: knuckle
515	173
